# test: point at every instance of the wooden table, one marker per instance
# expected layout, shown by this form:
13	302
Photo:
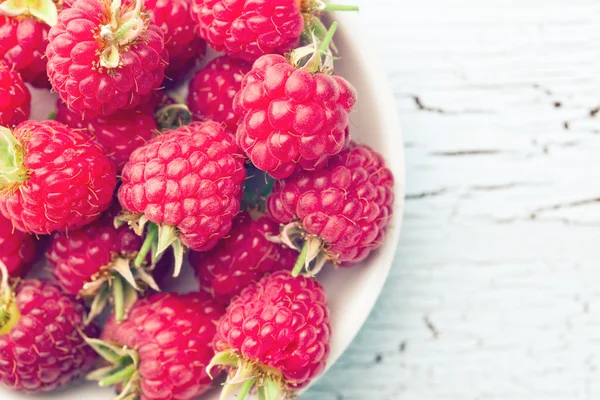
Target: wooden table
495	291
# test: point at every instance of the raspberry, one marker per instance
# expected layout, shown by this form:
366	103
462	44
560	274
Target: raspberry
185	48
52	177
161	351
98	259
278	331
242	258
118	134
23	42
14	97
40	345
249	28
103	59
341	211
212	90
188	183
18	248
290	117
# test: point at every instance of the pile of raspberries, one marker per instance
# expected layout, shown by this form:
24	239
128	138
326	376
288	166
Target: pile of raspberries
251	180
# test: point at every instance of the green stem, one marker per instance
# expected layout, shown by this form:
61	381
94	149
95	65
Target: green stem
122	31
301	260
150	236
118	296
122	375
11	159
327	39
246	389
340	7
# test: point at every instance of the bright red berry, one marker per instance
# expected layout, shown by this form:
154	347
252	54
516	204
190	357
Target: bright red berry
161	351
23	42
52	177
41	348
18	248
188	183
340	212
118	134
14	97
213	89
241	258
290	117
185	48
278	331
249	28
103	58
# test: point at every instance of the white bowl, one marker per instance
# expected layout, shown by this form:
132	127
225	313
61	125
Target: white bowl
352	292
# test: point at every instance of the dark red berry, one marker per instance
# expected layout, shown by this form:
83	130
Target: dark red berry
213	89
241	258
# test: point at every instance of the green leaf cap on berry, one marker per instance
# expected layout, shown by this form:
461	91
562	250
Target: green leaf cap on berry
9	312
123	368
120	281
313	251
243	375
158	239
126	24
317	56
12	168
44	10
311	10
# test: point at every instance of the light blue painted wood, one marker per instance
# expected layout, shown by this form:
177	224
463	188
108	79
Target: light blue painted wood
495	292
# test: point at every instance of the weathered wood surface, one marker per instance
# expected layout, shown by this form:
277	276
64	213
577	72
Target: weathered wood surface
495	291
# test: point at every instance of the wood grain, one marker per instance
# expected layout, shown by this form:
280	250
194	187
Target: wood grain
495	291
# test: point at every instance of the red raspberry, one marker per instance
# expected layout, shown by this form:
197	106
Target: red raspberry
40	345
213	88
14	97
118	134
249	28
163	348
188	182
23	42
52	177
291	117
103	59
97	261
341	211
280	328
18	248
243	257
185	48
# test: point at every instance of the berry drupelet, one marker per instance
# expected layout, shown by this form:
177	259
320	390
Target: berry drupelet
96	263
162	349
188	184
17	248
52	178
241	258
292	116
41	348
339	213
118	134
275	335
24	26
185	48
213	88
102	59
249	29
15	100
